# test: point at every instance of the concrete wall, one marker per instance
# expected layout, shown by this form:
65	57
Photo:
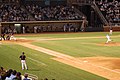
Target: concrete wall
0	28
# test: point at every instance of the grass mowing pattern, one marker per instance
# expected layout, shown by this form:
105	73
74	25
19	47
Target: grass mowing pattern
81	47
9	58
9	55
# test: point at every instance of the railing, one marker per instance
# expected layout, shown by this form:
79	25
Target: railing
80	1
31	22
32	77
95	7
115	24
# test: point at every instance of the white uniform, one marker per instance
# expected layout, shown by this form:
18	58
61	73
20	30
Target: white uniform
108	38
12	37
35	29
23	29
111	32
0	39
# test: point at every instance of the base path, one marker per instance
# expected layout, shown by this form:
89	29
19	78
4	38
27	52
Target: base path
77	63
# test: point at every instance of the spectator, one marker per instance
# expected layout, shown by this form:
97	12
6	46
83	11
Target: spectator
8	73
3	36
53	13
13	74
2	73
18	76
12	12
110	10
26	77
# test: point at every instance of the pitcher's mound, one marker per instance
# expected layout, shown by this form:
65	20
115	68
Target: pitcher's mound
109	44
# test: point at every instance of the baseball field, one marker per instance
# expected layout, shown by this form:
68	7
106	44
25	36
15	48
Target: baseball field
65	56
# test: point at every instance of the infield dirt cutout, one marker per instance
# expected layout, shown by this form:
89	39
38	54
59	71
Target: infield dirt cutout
107	67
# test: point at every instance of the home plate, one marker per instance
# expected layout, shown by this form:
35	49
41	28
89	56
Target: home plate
85	61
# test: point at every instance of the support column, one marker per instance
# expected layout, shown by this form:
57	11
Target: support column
0	28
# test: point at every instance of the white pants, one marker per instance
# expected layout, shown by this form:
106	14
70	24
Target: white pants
23	64
110	32
12	37
0	39
108	40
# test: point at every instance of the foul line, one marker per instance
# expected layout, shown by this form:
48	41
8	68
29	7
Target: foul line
36	61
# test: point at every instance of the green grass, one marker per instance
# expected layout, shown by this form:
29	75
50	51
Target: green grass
9	58
83	47
9	55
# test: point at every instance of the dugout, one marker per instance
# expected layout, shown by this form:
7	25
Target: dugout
47	26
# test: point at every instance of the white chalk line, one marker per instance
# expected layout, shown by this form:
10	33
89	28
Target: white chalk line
81	62
105	68
36	61
101	67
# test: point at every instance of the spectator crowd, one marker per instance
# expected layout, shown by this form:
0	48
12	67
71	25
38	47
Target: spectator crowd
12	75
111	10
12	12
53	13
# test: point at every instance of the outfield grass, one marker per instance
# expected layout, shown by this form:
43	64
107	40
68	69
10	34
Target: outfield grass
9	55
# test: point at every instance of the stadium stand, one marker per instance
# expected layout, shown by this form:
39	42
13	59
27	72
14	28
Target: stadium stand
21	11
111	10
102	15
12	12
55	12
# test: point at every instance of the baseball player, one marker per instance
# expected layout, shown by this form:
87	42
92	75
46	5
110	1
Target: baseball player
23	61
111	31
108	38
12	37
